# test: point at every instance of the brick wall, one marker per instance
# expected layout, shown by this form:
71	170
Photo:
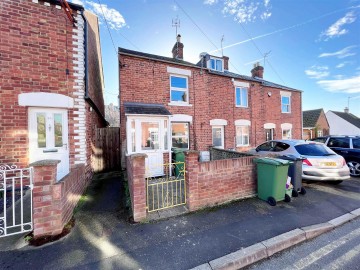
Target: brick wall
207	183
36	48
217	182
54	202
211	97
137	185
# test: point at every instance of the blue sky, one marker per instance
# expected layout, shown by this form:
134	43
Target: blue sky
311	45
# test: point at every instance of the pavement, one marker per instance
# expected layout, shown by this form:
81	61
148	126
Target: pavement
226	237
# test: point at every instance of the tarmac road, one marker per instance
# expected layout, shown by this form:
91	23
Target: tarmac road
103	239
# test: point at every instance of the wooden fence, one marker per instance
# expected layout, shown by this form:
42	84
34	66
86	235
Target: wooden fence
106	155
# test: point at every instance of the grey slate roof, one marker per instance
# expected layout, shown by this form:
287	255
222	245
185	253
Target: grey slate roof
225	73
349	117
145	108
311	117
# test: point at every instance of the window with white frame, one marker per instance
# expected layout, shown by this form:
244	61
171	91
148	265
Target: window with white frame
241	97
179	90
285	104
242	135
180	135
319	133
286	134
216	64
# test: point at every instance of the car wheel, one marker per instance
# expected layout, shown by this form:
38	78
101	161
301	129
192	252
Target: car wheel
354	167
302	191
287	198
294	193
335	182
271	201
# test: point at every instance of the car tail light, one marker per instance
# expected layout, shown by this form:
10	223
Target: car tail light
306	162
344	162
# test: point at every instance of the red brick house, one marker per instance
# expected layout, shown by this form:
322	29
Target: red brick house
168	102
51	100
315	124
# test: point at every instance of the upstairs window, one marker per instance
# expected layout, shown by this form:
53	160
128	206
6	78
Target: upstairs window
241	97
216	64
179	89
285	104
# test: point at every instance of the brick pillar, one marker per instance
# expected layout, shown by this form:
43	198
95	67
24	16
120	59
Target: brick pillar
47	212
191	176
137	185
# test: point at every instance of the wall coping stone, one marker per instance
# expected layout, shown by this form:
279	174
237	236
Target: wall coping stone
135	156
45	162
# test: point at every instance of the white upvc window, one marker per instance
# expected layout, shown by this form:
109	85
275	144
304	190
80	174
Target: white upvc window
285	102
216	64
286	134
241	97
242	135
179	89
319	133
180	135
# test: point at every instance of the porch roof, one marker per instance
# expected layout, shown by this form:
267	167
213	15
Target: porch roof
132	108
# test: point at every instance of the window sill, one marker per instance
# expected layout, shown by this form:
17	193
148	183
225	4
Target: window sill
242	145
180	104
238	106
285	112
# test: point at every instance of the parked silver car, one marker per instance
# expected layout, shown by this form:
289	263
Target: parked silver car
320	162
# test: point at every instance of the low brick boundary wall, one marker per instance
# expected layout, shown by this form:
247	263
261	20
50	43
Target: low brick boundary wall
220	181
54	202
207	183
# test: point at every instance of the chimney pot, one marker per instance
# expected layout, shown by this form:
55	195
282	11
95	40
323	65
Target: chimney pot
346	110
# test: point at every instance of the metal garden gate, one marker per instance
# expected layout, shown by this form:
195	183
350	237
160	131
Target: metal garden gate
15	200
168	190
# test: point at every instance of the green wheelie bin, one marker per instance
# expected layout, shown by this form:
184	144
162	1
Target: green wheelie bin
179	160
271	181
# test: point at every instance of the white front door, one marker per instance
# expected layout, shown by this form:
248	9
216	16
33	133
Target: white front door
218	136
150	142
48	137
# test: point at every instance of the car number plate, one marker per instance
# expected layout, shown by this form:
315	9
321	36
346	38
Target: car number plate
329	164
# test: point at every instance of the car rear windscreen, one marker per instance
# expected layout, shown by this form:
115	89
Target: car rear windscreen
313	150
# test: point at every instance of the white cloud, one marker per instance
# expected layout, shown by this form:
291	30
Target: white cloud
337	29
210	2
340	54
113	17
245	11
317	72
343	64
350	85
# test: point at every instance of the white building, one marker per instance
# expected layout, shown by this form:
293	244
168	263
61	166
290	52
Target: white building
343	123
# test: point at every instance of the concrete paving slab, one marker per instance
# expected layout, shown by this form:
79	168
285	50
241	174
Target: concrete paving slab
317	229
342	219
356	212
204	266
240	258
284	241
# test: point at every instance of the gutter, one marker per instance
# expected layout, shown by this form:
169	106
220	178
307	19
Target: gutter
87	97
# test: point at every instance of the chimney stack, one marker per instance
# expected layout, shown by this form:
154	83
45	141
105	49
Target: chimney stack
178	49
257	71
226	62
346	110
